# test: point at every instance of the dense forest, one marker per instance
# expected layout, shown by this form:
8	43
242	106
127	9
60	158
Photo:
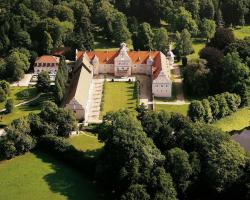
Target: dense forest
30	28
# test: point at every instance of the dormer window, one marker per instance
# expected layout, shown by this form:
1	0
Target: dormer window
139	59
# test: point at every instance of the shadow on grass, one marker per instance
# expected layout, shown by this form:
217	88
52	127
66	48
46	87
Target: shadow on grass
26	94
68	182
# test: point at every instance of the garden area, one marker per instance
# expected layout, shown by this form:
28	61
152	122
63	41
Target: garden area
38	176
118	95
86	142
181	109
23	110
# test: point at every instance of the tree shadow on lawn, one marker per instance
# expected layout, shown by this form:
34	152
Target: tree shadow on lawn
68	181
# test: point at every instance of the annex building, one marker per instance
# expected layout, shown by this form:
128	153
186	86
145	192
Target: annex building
120	63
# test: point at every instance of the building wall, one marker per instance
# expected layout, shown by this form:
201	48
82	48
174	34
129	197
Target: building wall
50	70
77	109
162	89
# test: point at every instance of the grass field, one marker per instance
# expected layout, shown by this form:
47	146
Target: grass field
86	142
242	32
198	44
24	110
37	176
20	94
118	95
236	121
182	109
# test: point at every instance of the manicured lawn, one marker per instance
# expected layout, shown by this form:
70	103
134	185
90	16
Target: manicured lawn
86	142
37	176
182	109
236	121
21	94
198	44
242	32
24	110
118	95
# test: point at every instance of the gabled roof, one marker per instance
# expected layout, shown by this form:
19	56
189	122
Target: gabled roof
47	59
80	85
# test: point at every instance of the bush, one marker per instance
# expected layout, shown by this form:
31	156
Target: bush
196	111
3	95
184	61
9	106
208	117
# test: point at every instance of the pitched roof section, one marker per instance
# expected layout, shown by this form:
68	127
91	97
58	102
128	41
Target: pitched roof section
137	57
47	59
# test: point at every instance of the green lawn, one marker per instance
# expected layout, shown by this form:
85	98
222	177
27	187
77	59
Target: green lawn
118	95
182	109
24	110
198	44
86	142
37	176
236	121
21	94
242	32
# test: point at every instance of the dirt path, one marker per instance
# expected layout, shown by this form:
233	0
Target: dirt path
26	102
178	83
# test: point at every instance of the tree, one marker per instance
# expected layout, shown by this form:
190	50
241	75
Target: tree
17	63
214	107
143	40
208	28
43	82
196	78
136	192
9	106
222	38
23	40
196	111
183	44
208	117
234	71
120	29
47	43
207	9
63	13
223	107
3	95
160	39
234	11
182	19
177	163
193	6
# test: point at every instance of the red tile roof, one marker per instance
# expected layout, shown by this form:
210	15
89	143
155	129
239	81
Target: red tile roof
47	59
137	57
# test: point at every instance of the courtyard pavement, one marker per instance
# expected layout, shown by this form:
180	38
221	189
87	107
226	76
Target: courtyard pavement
24	82
96	99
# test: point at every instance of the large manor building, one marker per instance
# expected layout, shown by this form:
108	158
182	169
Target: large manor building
47	63
120	63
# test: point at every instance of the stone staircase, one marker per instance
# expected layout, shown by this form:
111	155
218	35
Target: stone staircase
96	99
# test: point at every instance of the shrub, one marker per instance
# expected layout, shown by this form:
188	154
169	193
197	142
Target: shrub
224	109
208	117
3	95
214	107
196	111
9	106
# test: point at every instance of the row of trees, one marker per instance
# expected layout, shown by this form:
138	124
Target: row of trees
23	134
166	156
214	107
